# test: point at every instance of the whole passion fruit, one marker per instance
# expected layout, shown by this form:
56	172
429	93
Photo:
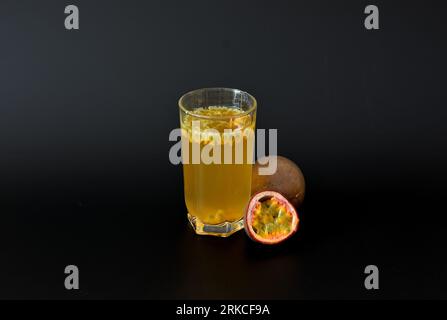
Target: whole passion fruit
270	218
287	180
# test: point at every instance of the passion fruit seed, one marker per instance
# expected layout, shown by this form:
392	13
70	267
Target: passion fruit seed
271	219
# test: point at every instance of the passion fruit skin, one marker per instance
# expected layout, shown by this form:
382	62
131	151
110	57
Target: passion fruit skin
288	180
248	217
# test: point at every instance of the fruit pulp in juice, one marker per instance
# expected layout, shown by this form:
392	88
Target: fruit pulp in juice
218	193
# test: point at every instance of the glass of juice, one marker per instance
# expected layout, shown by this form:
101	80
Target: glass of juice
217	154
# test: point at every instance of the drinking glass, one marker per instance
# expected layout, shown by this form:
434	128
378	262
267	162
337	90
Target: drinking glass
217	154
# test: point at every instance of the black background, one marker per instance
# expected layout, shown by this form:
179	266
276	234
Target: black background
85	176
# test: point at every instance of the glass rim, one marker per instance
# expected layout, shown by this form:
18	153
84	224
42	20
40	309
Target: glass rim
189	112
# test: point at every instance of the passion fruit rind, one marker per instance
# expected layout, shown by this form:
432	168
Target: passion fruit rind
288	179
270	218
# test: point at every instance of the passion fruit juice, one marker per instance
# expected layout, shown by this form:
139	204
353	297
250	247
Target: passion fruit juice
218	193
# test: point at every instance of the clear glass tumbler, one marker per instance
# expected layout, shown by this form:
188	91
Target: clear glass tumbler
217	154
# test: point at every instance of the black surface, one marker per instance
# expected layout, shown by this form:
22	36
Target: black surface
85	177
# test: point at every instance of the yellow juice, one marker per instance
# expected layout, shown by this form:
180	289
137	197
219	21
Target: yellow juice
218	193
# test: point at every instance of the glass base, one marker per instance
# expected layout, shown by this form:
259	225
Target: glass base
220	230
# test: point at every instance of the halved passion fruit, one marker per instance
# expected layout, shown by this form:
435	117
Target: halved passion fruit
270	218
